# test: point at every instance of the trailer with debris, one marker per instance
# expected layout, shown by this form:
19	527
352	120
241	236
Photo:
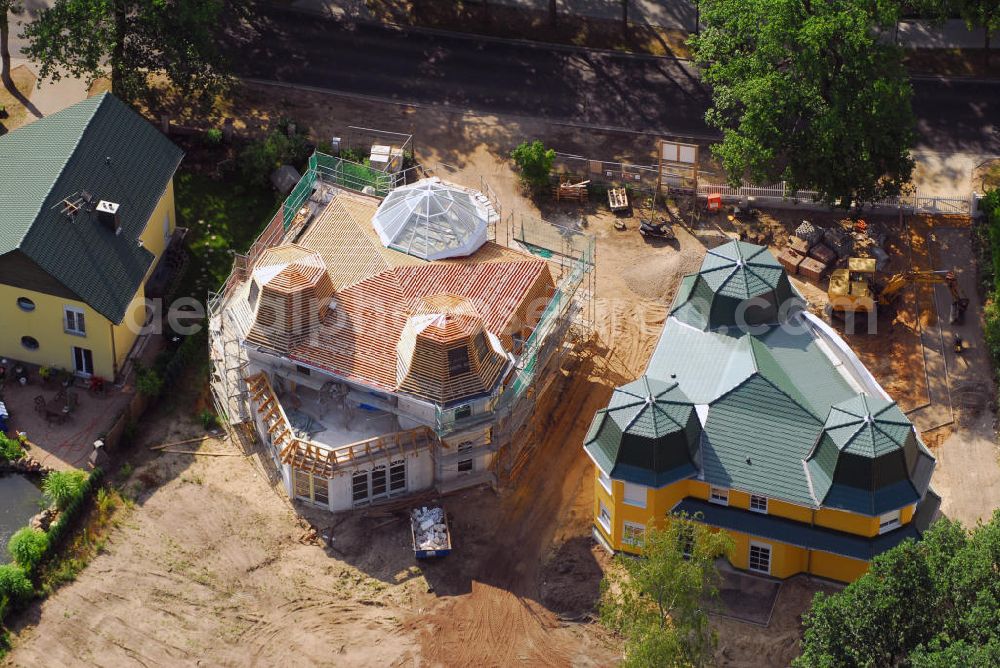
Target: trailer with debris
431	535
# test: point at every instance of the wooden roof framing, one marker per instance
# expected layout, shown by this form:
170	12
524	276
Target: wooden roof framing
317	458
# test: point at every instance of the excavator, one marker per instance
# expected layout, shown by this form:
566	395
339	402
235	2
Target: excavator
854	290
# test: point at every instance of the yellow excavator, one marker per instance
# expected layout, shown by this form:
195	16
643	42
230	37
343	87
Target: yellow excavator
854	290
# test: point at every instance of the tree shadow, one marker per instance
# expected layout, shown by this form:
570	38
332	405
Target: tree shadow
21	99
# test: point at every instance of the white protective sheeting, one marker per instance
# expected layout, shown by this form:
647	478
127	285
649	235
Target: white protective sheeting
432	220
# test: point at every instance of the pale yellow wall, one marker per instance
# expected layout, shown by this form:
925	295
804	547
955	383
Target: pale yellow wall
46	322
152	237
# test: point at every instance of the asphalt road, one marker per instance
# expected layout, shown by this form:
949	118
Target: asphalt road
602	89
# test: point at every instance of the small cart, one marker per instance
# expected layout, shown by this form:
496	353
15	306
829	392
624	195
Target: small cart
618	199
430	533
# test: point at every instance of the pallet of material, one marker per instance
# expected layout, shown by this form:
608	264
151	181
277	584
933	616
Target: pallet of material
799	245
823	254
812	269
790	259
618	199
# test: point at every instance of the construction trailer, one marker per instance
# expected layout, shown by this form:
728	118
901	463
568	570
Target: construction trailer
380	341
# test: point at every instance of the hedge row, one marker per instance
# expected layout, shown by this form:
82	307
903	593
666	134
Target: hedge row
32	548
990	270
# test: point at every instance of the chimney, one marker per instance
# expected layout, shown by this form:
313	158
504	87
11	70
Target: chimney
107	215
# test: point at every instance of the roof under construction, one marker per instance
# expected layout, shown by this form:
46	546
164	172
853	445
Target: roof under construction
439	330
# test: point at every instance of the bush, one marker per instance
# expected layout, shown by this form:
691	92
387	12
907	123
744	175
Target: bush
11	449
27	547
209	420
213	136
64	487
263	156
534	162
15	584
148	382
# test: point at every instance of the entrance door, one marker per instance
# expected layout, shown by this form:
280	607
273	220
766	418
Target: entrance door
83	361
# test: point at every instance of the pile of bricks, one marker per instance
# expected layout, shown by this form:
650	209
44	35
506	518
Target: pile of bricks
806	255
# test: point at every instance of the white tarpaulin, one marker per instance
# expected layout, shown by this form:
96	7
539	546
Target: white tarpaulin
432	220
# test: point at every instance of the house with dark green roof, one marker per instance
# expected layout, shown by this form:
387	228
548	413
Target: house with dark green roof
88	211
760	421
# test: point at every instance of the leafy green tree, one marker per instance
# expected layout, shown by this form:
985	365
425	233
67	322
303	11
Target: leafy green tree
534	162
658	602
129	40
979	14
27	547
7	7
63	487
808	92
935	602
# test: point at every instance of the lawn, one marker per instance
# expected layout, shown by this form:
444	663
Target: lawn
24	80
223	215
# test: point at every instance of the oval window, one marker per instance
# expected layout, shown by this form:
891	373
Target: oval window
29	342
25	304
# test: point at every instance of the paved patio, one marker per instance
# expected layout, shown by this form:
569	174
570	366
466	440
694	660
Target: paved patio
67	445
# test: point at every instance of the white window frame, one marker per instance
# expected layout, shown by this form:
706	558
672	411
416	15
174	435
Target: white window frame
718	495
761	502
761	547
637	531
75	325
633	502
604	517
605	480
79	363
889	521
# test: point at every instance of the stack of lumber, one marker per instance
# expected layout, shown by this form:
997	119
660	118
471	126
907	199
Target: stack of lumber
806	255
571	192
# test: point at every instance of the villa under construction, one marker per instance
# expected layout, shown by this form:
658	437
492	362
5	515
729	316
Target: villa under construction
381	342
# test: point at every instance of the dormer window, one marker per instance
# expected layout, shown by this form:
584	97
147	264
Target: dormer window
458	361
254	294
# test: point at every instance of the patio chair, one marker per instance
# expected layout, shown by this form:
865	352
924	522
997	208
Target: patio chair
72	401
57	415
40	404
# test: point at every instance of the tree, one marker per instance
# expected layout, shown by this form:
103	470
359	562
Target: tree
935	602
553	13
808	92
128	40
535	163
658	602
982	13
7	7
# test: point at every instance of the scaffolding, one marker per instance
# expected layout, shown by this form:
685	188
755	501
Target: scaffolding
569	251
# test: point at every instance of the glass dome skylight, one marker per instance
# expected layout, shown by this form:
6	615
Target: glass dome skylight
432	220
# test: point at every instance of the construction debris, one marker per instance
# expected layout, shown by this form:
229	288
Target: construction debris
573	192
430	531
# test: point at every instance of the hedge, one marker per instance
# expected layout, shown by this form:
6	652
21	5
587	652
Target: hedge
990	266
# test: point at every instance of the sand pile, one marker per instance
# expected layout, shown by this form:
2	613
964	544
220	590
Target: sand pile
657	275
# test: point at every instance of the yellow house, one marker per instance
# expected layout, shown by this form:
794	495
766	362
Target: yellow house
86	212
755	418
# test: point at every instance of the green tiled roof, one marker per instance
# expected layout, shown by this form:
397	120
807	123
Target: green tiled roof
868	458
756	437
780	417
102	147
737	282
649	425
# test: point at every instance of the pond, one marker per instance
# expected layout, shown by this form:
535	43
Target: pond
19	502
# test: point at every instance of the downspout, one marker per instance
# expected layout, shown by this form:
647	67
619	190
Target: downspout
114	353
809	552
